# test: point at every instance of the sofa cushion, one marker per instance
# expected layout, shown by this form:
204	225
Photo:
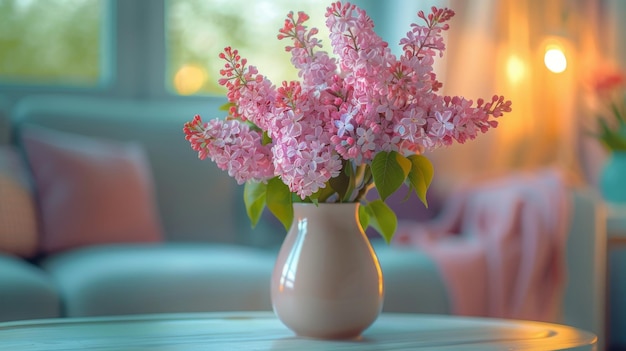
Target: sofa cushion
18	219
26	292
162	278
90	190
197	201
413	282
177	277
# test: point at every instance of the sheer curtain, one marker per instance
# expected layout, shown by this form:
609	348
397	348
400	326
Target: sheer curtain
498	47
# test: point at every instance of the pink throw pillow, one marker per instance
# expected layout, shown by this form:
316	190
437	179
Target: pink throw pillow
90	191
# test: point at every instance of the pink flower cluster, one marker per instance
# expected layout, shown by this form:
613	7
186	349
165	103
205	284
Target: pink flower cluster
345	109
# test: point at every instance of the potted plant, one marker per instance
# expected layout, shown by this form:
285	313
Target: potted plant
611	132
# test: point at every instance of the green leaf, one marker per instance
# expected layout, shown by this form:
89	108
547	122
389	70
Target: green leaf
382	218
343	183
227	106
254	199
389	170
420	176
364	217
278	198
266	138
616	112
613	140
322	194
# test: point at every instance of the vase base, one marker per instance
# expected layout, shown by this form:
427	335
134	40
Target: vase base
339	337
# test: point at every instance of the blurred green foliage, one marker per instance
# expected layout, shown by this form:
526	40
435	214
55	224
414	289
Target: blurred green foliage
198	30
50	41
60	41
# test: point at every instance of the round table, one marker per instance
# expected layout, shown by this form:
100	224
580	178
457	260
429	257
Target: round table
262	331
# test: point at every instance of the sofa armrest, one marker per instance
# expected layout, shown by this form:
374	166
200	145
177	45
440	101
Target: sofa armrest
584	298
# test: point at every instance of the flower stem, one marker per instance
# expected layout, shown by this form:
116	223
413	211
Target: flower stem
366	183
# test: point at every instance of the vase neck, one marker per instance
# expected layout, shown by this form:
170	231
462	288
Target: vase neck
346	208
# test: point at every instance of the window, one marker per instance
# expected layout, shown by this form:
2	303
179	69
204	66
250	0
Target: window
149	48
52	42
198	30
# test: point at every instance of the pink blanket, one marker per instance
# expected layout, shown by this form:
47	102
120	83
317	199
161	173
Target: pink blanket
501	246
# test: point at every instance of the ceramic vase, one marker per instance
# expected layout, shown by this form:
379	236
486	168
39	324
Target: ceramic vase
327	282
613	178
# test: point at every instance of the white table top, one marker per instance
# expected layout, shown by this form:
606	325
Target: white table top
262	331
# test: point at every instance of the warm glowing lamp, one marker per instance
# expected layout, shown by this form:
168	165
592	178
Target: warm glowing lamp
554	59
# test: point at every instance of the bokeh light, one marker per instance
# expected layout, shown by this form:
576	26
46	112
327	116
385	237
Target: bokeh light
555	59
189	79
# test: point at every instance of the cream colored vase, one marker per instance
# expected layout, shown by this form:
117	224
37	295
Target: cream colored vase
327	282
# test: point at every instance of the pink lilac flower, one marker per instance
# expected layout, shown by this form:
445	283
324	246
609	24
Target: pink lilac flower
344	109
442	125
344	124
232	146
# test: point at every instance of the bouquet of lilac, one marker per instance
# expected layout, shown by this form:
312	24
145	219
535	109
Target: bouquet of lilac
354	121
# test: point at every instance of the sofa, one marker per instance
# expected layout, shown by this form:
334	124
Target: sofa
176	238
